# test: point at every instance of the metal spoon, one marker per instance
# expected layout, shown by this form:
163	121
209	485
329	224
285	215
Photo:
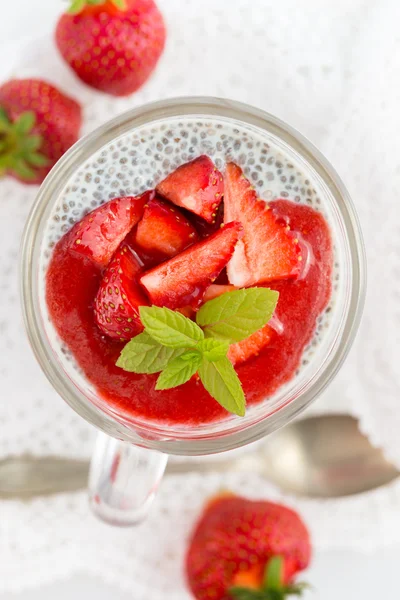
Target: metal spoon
324	456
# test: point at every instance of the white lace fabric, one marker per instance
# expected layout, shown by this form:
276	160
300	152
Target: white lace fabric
332	72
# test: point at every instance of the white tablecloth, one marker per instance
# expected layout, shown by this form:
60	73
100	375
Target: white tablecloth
332	70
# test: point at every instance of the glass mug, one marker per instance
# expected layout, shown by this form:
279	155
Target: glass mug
131	453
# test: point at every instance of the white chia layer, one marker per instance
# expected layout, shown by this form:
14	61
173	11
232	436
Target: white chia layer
137	161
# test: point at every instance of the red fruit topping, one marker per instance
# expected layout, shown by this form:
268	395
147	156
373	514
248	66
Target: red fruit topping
197	186
217	290
163	231
100	232
187	311
116	306
111	49
38	123
251	346
203	227
183	280
268	250
233	542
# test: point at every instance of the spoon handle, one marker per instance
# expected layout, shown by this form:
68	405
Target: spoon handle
27	477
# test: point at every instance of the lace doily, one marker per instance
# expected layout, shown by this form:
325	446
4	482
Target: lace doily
330	71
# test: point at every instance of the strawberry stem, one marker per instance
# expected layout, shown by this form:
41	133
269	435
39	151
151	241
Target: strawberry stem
273	574
77	6
272	587
19	147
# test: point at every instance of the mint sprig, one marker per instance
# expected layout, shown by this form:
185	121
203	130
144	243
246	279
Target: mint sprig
213	349
236	315
179	370
144	355
170	328
178	348
222	383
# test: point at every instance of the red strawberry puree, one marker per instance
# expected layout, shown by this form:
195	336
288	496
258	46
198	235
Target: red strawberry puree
72	284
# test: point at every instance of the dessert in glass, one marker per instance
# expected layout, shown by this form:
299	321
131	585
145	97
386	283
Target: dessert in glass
184	209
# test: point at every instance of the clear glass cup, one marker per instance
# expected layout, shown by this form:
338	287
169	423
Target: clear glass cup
131	454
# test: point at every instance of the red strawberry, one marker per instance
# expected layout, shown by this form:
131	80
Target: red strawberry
216	290
251	346
268	250
183	280
116	306
197	186
38	124
100	232
112	45
163	232
237	541
205	229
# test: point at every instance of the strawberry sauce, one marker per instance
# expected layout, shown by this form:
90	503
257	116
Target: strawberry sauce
72	284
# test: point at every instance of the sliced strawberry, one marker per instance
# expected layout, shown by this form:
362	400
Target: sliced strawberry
116	306
251	346
268	250
100	232
187	311
197	186
203	227
216	290
222	278
183	280
163	231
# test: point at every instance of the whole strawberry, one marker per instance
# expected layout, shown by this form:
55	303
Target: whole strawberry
38	123
112	45
246	550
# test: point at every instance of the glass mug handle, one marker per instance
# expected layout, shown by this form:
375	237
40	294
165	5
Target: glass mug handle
123	480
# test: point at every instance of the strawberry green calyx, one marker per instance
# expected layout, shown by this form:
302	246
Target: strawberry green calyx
272	587
19	147
77	6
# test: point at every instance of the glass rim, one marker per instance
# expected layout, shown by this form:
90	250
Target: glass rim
156	436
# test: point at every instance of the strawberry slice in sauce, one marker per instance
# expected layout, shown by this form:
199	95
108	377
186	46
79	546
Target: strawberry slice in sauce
163	232
268	250
183	280
99	233
116	307
197	186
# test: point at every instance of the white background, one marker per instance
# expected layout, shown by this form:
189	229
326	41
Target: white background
346	575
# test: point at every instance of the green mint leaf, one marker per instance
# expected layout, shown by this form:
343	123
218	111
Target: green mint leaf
213	350
170	328
190	354
236	315
179	370
142	354
25	122
222	383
